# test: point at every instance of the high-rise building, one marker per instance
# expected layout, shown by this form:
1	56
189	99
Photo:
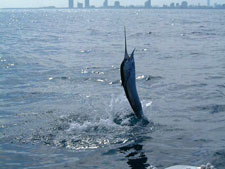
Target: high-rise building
79	5
172	5
208	3
184	4
87	4
105	4
148	4
70	3
117	4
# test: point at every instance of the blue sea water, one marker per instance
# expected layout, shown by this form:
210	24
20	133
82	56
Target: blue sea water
62	105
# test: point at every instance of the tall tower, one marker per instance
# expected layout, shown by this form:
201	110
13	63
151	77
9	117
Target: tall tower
208	3
70	3
87	4
105	4
148	4
117	4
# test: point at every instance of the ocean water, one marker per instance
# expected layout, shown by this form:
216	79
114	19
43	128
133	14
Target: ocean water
62	104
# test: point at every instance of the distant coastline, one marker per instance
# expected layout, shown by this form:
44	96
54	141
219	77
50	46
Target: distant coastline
117	5
113	8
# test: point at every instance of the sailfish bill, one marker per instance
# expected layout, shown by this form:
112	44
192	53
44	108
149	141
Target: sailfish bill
128	78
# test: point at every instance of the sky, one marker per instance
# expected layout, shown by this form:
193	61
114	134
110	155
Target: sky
64	3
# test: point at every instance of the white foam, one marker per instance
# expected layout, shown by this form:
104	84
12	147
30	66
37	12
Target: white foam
207	166
183	167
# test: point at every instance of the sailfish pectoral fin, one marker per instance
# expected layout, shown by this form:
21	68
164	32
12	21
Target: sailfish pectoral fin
122	73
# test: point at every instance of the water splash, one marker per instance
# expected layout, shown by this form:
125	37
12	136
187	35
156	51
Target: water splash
87	128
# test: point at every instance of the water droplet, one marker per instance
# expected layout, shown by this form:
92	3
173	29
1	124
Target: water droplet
84	71
148	104
140	77
100	80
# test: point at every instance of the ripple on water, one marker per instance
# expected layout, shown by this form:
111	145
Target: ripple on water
216	108
218	159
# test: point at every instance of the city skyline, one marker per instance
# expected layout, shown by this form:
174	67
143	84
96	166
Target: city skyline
97	3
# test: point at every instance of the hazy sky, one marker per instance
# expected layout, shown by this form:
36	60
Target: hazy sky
64	3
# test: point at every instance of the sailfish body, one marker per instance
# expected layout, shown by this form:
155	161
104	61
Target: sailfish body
128	78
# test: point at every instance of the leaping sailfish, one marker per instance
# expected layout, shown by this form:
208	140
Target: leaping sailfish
128	78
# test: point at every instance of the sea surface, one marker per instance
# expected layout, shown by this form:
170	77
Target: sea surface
62	104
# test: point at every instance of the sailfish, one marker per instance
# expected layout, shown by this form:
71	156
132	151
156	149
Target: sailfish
128	78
